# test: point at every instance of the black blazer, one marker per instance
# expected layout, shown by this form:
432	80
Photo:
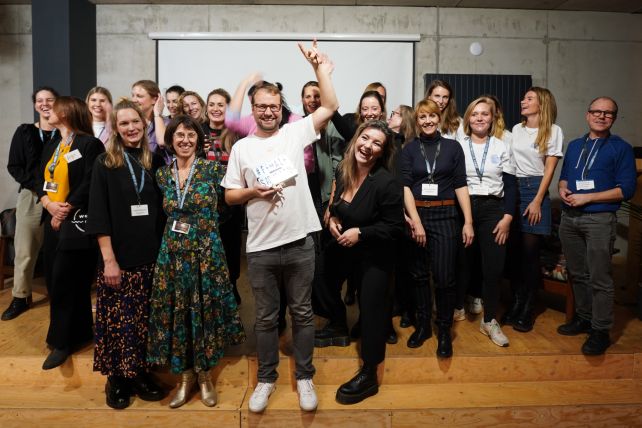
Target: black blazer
79	170
376	209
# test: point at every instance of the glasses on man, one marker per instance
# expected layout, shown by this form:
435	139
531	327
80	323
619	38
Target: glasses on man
262	107
181	136
609	114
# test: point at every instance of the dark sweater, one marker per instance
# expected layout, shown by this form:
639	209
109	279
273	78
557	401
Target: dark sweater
24	154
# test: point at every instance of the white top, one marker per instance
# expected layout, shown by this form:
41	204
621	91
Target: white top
458	135
528	160
280	220
98	128
499	159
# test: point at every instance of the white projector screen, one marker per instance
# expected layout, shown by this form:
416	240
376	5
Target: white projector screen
202	62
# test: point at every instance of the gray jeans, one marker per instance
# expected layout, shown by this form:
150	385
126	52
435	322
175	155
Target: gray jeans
587	241
28	240
290	266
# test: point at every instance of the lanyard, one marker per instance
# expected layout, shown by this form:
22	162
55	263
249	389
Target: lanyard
480	172
181	197
589	160
137	188
54	162
42	134
431	170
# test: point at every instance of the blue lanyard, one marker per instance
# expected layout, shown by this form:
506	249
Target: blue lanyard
589	160
42	135
431	170
480	172
137	188
181	197
54	162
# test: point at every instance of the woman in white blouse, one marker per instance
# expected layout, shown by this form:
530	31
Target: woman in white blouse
537	147
490	175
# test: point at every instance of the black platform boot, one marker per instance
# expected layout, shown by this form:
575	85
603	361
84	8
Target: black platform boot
360	387
445	300
525	320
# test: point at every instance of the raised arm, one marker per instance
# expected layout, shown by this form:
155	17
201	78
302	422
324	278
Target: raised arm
323	68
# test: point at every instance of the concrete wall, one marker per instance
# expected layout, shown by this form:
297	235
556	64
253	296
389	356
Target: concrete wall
578	55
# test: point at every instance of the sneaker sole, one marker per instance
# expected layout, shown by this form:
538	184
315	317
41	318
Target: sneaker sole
501	345
357	398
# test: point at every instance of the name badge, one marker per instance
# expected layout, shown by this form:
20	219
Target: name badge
428	189
140	210
480	189
72	156
585	184
50	187
180	227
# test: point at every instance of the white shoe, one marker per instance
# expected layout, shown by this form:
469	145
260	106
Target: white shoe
494	332
459	314
475	305
307	396
259	399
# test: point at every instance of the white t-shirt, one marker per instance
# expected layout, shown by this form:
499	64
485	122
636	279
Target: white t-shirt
277	221
98	128
499	159
528	160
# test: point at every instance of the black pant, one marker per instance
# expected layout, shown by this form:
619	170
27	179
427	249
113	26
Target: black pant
487	212
69	275
230	231
438	257
373	274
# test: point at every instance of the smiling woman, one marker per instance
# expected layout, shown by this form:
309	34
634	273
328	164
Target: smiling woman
100	105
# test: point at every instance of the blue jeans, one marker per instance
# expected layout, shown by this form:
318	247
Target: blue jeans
587	241
290	266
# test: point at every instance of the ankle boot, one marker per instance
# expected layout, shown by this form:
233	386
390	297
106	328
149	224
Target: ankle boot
444	343
117	392
423	329
208	392
525	320
511	315
185	387
360	387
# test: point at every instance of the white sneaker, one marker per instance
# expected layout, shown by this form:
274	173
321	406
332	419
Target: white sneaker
475	305
459	314
494	332
307	395
259	398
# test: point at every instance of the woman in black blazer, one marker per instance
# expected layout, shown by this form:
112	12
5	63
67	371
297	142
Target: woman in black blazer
366	218
70	256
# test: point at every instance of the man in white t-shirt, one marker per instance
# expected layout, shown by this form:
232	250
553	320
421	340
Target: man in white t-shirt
266	170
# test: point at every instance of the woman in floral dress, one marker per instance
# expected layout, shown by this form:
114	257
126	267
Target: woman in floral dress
193	313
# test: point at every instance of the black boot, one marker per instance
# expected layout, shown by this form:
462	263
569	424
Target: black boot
511	315
576	326
360	387
17	306
423	328
404	321
332	335
597	342
56	358
444	343
117	392
525	320
146	388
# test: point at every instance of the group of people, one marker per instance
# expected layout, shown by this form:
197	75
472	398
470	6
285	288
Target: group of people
151	208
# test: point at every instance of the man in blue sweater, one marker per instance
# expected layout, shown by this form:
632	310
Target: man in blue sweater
597	175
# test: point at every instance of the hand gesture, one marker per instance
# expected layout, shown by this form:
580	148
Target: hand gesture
159	105
311	54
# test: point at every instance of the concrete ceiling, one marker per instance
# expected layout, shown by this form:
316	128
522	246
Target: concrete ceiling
624	6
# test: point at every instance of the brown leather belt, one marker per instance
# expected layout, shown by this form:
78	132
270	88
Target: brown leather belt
428	204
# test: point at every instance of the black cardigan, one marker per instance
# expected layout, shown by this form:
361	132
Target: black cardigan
79	170
25	153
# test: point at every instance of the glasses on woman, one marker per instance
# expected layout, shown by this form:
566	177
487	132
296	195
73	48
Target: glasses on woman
181	136
394	113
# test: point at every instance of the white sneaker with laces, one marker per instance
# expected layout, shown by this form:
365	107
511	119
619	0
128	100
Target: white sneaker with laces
259	399
475	305
494	332
307	395
459	314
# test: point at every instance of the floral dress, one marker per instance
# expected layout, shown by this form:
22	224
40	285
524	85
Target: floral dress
193	314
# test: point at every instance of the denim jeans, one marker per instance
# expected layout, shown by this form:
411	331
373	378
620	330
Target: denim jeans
290	266
587	241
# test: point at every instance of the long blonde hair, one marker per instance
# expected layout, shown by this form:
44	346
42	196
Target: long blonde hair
115	151
547	116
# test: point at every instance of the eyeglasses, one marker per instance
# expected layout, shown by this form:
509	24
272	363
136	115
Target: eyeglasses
394	113
182	135
262	107
607	113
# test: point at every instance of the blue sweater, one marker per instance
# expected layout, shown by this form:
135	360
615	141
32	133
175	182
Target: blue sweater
614	166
